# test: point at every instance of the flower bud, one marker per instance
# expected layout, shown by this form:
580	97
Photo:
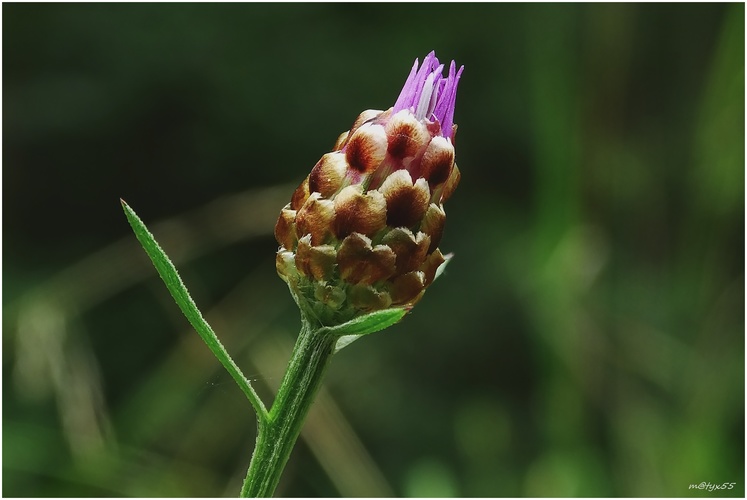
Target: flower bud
361	232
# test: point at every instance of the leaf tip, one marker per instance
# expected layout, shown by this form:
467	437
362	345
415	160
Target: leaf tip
129	213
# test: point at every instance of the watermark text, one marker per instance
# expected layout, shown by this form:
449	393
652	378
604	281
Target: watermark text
711	486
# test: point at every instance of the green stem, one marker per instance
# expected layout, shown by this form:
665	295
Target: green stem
277	435
277	430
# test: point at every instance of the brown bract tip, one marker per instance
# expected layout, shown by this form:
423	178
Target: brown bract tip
300	194
285	229
407	288
316	262
356	212
359	262
437	161
368	115
315	218
366	298
406	135
430	266
433	224
409	248
327	175
451	183
405	202
366	148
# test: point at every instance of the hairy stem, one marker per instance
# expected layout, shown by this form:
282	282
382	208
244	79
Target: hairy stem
279	432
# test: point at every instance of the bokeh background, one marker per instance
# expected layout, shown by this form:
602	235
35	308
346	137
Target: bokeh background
586	340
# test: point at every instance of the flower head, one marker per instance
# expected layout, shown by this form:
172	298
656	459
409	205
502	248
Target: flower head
361	232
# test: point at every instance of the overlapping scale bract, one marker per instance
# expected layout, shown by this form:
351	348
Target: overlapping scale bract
361	232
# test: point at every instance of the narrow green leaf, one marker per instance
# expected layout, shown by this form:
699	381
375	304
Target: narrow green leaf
368	323
176	287
363	325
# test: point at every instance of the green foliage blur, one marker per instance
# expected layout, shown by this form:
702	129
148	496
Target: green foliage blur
586	340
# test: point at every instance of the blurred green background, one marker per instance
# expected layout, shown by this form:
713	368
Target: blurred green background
586	340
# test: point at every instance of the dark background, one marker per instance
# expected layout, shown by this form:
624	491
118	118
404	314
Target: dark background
586	340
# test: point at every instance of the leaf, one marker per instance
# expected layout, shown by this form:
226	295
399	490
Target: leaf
363	325
368	323
176	287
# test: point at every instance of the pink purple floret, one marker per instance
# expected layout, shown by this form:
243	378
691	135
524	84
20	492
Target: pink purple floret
429	95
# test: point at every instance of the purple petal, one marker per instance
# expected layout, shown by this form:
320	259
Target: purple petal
443	101
428	94
448	115
424	107
420	78
407	90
